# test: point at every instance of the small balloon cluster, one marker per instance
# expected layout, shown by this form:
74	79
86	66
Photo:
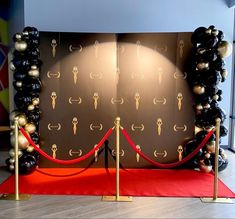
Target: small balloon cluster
206	70
25	66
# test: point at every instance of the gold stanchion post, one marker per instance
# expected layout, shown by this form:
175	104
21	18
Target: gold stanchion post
16	196
215	198
117	198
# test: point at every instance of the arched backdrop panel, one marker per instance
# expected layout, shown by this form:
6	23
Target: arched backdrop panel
89	79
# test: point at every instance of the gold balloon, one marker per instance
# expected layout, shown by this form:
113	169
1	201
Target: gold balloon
202	65
30	128
30	149
35	101
207	155
13	114
22	120
205	169
12	67
197	129
11	167
12	152
22	141
224	49
19	84
197	89
21	46
224	73
30	107
34	72
12	161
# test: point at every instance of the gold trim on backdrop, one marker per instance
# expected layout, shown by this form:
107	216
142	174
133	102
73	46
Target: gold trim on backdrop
137	100
75	122
178	75
159	126
120	101
181	48
72	48
161	154
54	75
53	45
140	127
96	153
78	101
96	98
78	153
179	98
75	74
180	128
96	75
157	100
98	127
159	75
137	155
180	151
121	153
96	47
53	99
161	48
54	150
117	75
54	127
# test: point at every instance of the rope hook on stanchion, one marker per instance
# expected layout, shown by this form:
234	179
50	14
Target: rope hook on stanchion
215	198
16	196
117	197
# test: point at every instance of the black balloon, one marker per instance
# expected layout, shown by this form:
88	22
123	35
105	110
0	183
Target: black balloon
27	164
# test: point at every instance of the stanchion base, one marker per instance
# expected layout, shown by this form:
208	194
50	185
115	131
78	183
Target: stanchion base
217	200
22	197
115	199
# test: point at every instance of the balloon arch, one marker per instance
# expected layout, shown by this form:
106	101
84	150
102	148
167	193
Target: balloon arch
205	69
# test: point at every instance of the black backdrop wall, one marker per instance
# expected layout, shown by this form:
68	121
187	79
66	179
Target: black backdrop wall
89	79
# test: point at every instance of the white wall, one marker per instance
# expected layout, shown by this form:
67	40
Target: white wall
119	16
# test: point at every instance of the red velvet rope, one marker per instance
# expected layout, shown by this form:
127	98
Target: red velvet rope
170	165
66	161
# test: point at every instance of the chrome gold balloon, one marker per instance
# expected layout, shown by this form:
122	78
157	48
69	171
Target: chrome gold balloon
30	128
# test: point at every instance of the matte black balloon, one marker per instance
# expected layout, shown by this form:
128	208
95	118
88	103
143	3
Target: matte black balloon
27	164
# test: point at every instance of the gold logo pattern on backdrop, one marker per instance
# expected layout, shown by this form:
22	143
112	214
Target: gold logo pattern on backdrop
132	98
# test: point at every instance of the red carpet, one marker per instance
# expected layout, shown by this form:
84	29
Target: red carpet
134	182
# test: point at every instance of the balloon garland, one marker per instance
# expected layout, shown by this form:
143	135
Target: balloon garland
26	68
206	70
